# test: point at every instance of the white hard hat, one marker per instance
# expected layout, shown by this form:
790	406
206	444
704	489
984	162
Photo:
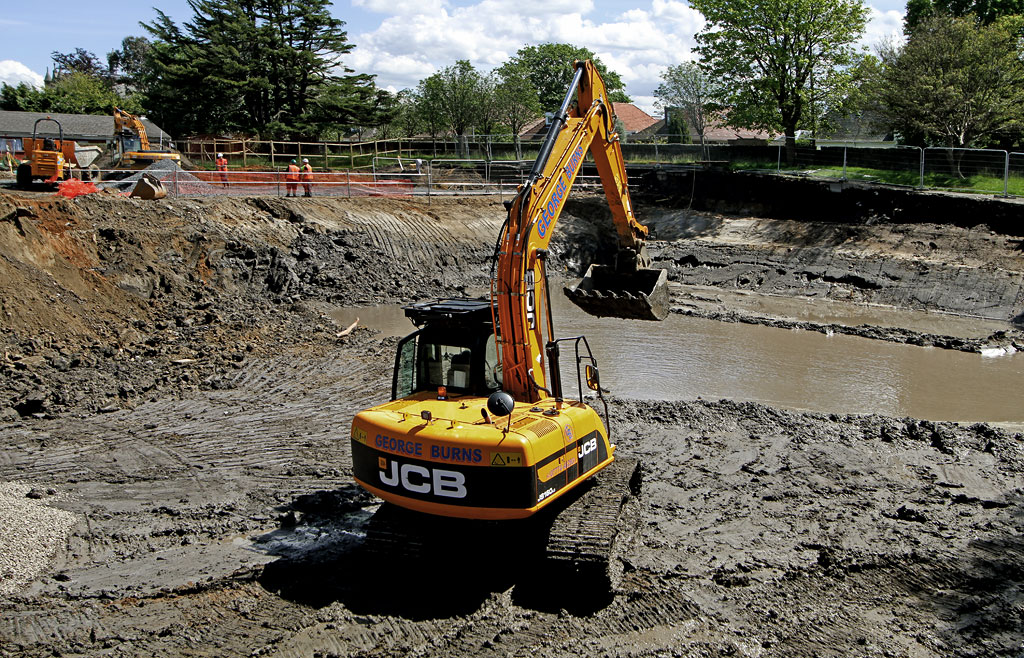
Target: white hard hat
305	159
220	155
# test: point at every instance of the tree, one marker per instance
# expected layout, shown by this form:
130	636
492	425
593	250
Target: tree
127	65
955	82
78	93
550	71
687	88
22	98
986	11
516	99
71	93
778	58
384	114
490	116
454	94
267	66
428	105
80	61
409	120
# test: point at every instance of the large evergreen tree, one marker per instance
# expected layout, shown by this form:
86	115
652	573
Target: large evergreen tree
263	66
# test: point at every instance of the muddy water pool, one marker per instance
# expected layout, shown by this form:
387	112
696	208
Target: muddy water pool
683	358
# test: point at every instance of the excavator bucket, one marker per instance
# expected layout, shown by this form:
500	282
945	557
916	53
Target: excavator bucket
638	295
149	187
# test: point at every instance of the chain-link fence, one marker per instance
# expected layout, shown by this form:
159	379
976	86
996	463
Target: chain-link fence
496	165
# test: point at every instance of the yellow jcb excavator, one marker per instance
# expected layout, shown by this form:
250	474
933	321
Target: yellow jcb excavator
481	425
133	147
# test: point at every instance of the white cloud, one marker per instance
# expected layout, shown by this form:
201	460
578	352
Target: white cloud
401	7
883	26
417	38
646	103
15	73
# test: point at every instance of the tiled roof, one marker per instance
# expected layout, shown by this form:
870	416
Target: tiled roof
536	129
633	117
19	124
715	131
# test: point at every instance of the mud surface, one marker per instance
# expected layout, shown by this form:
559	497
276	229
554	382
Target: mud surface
172	381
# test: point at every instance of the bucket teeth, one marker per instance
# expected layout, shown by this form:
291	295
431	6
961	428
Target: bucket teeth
640	295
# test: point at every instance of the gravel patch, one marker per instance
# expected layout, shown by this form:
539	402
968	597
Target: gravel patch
32	534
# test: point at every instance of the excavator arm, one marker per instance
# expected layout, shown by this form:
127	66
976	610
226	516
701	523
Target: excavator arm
520	287
126	121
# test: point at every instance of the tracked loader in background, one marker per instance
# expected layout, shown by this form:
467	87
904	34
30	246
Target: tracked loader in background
481	426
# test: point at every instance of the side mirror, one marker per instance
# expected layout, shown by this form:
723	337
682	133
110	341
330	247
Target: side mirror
593	377
500	403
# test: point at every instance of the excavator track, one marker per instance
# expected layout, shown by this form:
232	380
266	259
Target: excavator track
581	538
565	551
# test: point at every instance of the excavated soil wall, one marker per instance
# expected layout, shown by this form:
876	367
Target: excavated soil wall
785	197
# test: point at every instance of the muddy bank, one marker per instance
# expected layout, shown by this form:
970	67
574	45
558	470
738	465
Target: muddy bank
962	271
758	532
108	302
805	199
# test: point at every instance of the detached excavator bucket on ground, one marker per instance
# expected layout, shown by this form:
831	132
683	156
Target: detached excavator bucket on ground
149	187
638	295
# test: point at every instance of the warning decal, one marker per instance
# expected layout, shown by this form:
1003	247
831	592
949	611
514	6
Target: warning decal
506	459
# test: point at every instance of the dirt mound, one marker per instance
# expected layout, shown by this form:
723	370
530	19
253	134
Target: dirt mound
106	299
171	175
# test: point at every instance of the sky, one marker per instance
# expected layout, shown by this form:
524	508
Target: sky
404	41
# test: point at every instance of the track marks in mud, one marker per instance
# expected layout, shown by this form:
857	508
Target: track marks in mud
761	532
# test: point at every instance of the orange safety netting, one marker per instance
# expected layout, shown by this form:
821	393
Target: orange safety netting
73	187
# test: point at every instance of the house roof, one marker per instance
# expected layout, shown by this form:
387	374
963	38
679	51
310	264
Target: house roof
715	131
536	129
632	117
19	124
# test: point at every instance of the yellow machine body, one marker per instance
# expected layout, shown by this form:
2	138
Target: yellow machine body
46	159
457	464
133	142
481	424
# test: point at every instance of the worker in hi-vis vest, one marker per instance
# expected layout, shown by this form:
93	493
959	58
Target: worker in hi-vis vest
292	179
222	169
307	177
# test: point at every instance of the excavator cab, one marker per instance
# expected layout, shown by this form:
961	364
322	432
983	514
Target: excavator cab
453	350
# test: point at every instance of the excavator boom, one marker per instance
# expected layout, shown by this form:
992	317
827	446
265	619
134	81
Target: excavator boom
625	289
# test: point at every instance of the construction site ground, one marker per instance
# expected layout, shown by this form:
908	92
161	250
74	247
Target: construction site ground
175	477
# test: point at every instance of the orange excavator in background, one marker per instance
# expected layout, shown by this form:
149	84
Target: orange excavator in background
133	147
481	425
